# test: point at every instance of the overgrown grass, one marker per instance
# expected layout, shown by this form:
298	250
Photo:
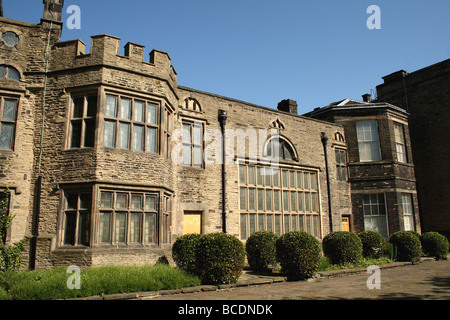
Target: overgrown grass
52	284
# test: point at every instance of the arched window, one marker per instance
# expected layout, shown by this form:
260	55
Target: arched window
9	73
278	147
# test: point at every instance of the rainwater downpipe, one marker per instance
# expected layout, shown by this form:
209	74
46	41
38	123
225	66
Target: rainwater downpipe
324	139
33	246
223	120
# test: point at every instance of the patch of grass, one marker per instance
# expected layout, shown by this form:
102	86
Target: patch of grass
52	284
363	262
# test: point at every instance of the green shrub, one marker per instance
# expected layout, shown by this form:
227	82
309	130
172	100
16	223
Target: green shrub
184	250
435	244
342	247
299	254
220	258
373	244
261	250
408	246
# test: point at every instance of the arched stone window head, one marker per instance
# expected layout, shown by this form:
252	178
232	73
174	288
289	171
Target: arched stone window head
279	147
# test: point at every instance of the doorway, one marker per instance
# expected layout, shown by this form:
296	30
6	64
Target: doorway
192	222
346	224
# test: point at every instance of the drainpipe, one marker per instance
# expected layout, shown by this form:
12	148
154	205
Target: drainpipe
324	142
33	244
223	120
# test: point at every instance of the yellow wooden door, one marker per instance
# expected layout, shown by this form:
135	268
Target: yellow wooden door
192	222
345	224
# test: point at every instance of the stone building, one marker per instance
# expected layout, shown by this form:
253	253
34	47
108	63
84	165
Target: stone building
425	95
380	164
108	160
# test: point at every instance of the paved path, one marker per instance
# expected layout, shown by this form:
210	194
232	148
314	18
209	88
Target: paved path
428	280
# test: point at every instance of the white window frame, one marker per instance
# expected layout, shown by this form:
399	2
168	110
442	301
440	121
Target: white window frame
368	141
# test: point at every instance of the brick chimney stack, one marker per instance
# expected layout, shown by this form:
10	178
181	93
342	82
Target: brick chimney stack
53	10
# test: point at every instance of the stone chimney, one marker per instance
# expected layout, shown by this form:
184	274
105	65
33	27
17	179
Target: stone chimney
53	10
288	105
367	97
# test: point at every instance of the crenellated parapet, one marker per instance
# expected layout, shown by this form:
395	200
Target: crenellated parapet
104	52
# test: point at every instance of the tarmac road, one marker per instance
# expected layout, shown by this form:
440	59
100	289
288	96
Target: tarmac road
428	280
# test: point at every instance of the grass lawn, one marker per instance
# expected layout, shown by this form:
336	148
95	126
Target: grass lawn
52	284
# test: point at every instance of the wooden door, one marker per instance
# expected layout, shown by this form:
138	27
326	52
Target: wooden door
345	223
192	222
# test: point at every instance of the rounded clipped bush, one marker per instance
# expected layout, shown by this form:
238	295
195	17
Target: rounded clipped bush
299	254
435	245
220	258
342	247
184	251
261	250
408	246
373	244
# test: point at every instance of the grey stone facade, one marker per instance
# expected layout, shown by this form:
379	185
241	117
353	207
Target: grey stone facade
111	158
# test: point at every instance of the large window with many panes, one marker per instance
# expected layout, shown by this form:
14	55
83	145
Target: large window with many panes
278	200
131	124
8	116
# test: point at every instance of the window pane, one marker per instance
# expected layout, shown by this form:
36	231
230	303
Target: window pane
150	230
197	135
151	140
198	156
286	201
286	219
293	201
150	203
121	201
89	133
125	109
251	175
111	106
284	177
242	175
135	228
269	222
106	200
243	227
13	74
72	201
299	180
276	200
300	202
76	134
306	180
316	226
124	136
268	177
294	222
138	138
136	201
85	201
313	181
6	136
69	228
9	110
314	202
278	224
78	105
84	225
260	222
252	223
187	133
308	224
105	228
138	114
2	72
307	202
152	112
109	134
243	199
251	199
268	200
92	106
276	177
260	199
186	155
259	176
120	227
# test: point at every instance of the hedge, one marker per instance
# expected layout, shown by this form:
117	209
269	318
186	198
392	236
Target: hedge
342	247
435	244
184	251
408	246
261	250
373	244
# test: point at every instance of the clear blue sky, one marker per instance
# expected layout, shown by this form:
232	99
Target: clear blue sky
263	51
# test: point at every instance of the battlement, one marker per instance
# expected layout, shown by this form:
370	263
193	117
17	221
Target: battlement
105	51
